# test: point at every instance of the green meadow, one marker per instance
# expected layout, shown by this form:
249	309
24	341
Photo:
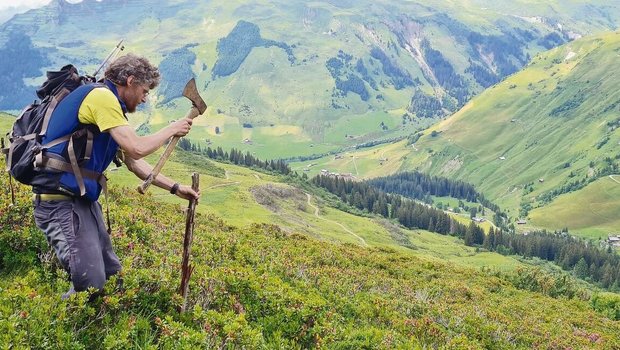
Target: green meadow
593	212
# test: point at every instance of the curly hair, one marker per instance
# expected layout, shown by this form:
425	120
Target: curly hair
128	65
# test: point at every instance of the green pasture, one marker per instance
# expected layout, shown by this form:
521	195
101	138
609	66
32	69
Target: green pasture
368	162
593	212
6	122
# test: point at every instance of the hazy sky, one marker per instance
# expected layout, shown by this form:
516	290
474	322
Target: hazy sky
8	8
26	4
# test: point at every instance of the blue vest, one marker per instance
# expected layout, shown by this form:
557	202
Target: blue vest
64	121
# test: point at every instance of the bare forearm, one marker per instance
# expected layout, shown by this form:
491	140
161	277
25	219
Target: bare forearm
142	169
138	147
148	144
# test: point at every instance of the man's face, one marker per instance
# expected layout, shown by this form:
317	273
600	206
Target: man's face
136	94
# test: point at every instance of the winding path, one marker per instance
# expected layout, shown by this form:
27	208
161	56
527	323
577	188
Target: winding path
316	213
225	184
355	164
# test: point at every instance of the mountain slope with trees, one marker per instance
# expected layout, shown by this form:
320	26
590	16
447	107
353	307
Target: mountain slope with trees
312	76
544	132
542	144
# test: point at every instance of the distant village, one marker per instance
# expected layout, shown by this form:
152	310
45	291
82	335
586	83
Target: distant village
614	240
346	176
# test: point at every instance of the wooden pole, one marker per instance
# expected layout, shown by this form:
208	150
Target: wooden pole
186	268
10	177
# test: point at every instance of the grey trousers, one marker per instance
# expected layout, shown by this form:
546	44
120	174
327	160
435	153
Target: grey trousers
76	230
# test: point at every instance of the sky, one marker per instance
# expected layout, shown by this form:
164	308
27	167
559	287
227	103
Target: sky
8	8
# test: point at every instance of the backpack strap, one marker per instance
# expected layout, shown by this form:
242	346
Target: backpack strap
50	109
44	162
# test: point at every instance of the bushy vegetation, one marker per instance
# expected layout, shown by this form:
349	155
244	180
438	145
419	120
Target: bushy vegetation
353	84
551	40
482	75
378	142
445	74
425	106
568	105
346	79
407	212
361	69
589	262
236	157
505	49
260	287
417	185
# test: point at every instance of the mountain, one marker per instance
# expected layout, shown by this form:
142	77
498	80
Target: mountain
529	141
316	77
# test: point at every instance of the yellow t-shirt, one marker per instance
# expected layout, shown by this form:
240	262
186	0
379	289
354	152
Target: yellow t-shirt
101	107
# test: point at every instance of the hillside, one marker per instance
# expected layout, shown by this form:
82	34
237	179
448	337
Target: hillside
259	286
299	78
547	130
243	197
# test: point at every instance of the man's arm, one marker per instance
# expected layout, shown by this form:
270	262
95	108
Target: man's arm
142	169
137	147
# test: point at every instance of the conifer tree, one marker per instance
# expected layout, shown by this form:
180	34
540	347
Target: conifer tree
581	268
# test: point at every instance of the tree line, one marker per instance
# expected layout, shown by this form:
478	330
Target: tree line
237	157
407	212
586	260
417	185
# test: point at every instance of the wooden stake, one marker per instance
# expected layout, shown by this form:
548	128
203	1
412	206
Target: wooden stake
186	268
10	177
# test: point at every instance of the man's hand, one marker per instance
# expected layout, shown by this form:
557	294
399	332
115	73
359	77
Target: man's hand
181	127
186	192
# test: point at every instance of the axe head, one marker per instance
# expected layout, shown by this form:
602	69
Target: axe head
191	93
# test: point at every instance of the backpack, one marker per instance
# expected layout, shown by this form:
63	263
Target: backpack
25	154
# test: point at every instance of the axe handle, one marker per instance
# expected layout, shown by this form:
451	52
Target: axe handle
193	113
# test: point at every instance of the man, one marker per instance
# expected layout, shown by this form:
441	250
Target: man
68	211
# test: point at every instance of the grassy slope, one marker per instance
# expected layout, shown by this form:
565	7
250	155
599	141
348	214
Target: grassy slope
230	196
512	120
592	211
6	122
260	286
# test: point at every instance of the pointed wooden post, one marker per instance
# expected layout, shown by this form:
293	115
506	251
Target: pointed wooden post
186	268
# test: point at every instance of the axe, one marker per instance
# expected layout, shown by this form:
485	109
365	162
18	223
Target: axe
198	107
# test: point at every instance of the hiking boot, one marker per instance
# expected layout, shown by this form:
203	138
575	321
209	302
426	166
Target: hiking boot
69	293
